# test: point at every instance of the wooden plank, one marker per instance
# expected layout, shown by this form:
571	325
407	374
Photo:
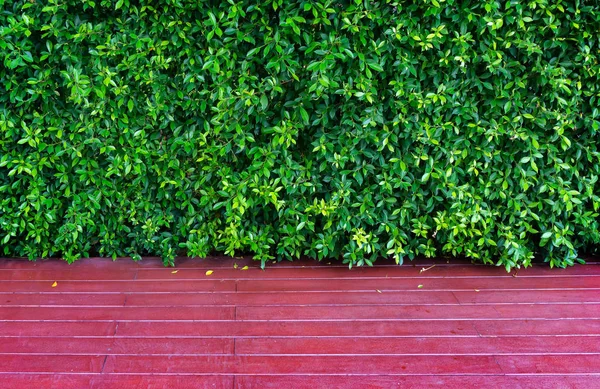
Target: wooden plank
172	346
420	381
57	328
298	328
51	264
69	381
372	328
123	263
510	296
372	297
54	345
554	364
97	381
166	382
117	313
58	363
81	273
383	284
420	312
409	346
36	299
267	328
452	269
366	312
554	311
317	298
405	272
304	263
208	285
110	345
32	380
303	364
553	327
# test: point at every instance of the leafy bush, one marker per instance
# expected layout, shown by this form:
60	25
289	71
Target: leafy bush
327	128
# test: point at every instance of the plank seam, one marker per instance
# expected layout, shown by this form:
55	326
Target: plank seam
318	305
280	292
407	276
319	320
287	355
592	374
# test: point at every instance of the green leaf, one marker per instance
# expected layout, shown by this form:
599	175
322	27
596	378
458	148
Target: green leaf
264	102
304	115
253	51
375	66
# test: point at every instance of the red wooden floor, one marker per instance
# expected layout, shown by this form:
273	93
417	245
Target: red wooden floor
99	323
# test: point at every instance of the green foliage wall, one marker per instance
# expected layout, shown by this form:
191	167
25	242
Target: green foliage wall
281	128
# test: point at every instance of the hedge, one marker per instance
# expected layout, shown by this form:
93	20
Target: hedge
323	128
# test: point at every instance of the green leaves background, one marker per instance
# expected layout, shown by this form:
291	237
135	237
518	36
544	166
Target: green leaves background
358	129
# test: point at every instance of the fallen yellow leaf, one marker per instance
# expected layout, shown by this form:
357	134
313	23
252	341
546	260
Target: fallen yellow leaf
174	271
420	286
235	266
54	284
378	291
245	268
209	272
476	290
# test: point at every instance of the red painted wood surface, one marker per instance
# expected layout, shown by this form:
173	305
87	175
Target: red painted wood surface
300	325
